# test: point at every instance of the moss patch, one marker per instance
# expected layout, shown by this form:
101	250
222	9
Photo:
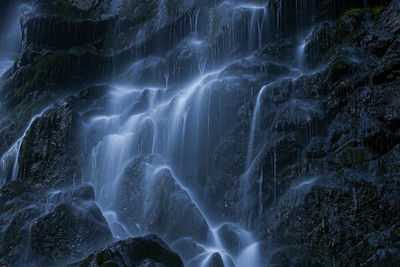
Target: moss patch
354	13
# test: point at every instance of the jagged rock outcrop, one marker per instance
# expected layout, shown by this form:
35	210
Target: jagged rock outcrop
45	228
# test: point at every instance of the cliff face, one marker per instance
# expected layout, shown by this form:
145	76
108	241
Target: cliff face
242	133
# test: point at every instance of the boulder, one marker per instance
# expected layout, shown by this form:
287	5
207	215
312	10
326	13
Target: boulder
140	251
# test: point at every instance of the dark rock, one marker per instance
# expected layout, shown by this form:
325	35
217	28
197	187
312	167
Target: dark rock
68	232
215	260
49	155
140	251
170	213
52	32
61	226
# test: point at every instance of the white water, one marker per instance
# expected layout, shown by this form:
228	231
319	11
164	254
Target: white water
124	135
301	51
164	122
250	256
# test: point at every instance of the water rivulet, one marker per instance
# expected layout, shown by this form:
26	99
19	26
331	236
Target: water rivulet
241	133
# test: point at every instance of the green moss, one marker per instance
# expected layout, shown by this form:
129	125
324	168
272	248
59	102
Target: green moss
358	13
354	13
393	75
377	11
103	256
42	68
87	262
339	66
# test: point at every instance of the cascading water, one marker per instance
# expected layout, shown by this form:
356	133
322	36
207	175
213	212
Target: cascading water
158	139
128	131
300	52
149	149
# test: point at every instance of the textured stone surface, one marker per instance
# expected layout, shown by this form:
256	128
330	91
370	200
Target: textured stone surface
140	251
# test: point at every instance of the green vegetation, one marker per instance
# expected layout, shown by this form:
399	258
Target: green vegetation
377	11
42	69
354	13
394	74
358	13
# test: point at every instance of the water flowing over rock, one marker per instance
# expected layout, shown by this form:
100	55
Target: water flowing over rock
237	133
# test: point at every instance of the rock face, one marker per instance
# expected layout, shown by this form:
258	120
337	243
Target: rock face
342	210
50	155
170	212
290	135
149	251
59	227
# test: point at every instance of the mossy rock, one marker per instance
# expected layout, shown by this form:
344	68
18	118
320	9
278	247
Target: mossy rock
354	13
103	256
378	11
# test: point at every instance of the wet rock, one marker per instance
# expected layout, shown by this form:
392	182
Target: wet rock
280	257
188	248
215	260
189	58
280	50
52	32
339	223
234	238
49	155
149	71
319	44
170	212
49	226
68	232
292	18
140	251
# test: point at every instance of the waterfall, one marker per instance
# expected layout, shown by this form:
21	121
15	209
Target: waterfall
149	150
300	57
126	131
